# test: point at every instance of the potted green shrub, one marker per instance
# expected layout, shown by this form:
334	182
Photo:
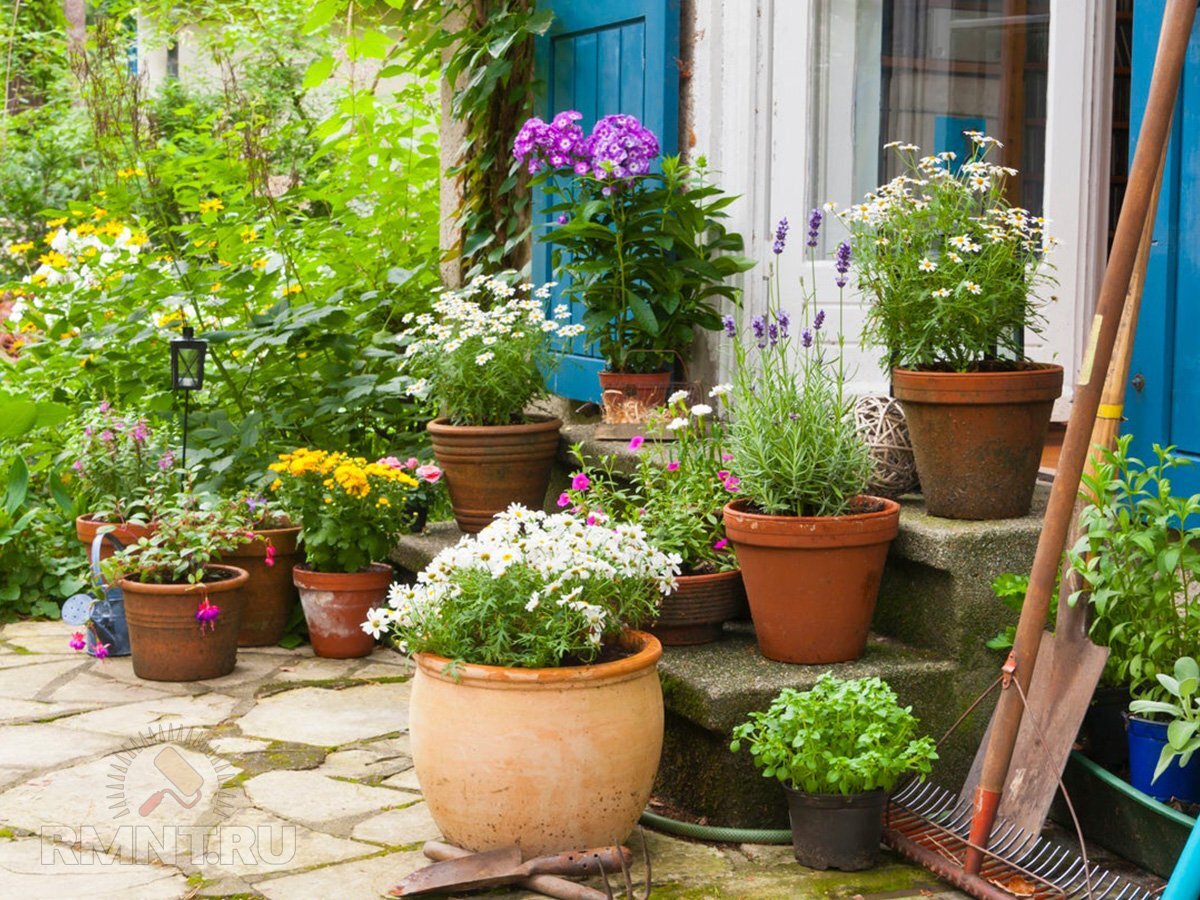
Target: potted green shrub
811	544
646	251
952	271
677	494
477	362
183	609
536	714
838	750
1176	730
351	513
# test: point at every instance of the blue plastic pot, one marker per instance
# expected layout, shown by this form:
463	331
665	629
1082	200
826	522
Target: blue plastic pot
1146	741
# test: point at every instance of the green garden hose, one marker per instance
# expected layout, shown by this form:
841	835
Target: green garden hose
716	833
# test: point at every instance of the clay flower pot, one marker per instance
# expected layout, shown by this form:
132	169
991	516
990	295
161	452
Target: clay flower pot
167	641
335	606
270	594
86	528
489	467
978	436
812	581
549	758
694	612
648	389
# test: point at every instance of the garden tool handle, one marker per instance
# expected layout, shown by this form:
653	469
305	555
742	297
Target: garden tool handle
549	885
580	863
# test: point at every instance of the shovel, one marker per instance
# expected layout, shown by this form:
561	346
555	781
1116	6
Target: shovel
495	868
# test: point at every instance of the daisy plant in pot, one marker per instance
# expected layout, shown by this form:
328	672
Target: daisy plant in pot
642	238
952	271
183	607
811	544
477	361
676	493
351	512
536	711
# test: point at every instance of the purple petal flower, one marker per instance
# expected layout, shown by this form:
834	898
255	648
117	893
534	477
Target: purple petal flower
673	466
580	482
773	333
759	326
564	500
730	326
563	219
636	441
784	321
105	406
806	338
841	262
781	231
819	320
814	227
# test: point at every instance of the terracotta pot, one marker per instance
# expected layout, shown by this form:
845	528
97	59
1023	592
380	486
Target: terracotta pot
812	581
335	606
127	533
489	467
549	758
168	643
270	593
649	388
978	437
694	613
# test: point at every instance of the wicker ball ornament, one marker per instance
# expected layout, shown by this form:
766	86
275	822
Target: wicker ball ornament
880	421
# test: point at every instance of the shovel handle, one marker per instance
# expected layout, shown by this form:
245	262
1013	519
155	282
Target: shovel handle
549	885
581	862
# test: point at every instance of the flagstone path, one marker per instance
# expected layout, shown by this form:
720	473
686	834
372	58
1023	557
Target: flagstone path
289	778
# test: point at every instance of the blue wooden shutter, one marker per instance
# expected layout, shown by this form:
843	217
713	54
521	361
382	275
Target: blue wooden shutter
602	57
1166	353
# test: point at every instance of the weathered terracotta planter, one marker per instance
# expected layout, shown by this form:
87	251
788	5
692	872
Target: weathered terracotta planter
695	611
978	436
648	388
270	594
86	529
489	467
335	606
167	641
548	758
812	581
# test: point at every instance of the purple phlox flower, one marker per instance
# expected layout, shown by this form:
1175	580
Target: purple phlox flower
731	484
100	651
841	262
721	544
806	338
254	504
784	321
557	143
759	325
77	642
636	441
819	320
781	231
620	147
580	482
563	219
814	227
730	325
139	433
105	406
673	466
564	500
166	461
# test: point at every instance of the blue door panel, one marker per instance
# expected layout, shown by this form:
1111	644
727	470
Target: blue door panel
615	56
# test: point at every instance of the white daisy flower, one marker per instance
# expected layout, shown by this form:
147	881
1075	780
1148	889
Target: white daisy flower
676	424
927	265
700	410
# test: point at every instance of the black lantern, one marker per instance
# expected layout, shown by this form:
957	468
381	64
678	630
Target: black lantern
187	361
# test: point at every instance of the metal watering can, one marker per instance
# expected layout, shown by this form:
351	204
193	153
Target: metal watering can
107	615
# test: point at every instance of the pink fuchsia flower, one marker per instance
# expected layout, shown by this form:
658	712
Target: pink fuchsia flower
428	473
564	500
673	466
270	558
100	651
636	441
206	614
580	482
77	642
722	544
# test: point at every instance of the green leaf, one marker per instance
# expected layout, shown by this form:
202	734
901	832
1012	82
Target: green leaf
318	72
643	313
18	485
322	15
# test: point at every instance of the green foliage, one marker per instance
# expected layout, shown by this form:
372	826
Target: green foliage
123	471
1139	562
647	258
1181	705
179	550
841	737
1010	589
950	266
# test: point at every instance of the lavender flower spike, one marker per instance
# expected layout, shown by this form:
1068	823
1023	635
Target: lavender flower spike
814	227
806	338
730	326
773	333
784	321
819	320
759	326
781	231
841	262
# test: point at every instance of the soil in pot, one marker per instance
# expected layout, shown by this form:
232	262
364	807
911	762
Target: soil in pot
335	606
978	436
270	594
812	581
488	468
835	831
168	643
549	758
695	611
86	529
1146	741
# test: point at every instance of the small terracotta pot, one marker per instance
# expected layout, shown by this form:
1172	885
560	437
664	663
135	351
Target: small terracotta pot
335	606
489	467
978	436
812	581
127	533
695	611
270	593
548	758
167	641
649	388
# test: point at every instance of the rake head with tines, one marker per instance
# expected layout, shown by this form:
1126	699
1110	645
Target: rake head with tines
930	825
628	878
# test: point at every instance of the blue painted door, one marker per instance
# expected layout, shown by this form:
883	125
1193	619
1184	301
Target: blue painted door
1163	404
602	57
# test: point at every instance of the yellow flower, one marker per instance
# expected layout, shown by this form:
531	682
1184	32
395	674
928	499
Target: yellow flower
260	263
139	239
290	289
303	354
213	204
18	249
53	259
37	280
248	235
328	499
383	501
89	252
113	228
216	287
50	236
276	484
57	223
85	228
130	173
98	213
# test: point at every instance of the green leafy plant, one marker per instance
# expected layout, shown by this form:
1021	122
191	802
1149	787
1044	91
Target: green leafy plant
179	550
1139	564
1010	589
1180	703
840	737
120	465
951	267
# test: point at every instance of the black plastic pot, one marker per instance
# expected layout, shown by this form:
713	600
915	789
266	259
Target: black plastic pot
1103	732
833	831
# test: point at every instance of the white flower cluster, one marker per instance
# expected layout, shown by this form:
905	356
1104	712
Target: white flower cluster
87	256
565	555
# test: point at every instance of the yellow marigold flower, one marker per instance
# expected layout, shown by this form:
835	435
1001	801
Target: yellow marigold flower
276	484
213	204
18	249
98	213
113	228
56	223
248	235
383	501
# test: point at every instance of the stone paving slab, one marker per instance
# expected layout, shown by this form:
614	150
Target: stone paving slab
370	877
26	874
36	747
32	682
347	715
133	719
253	844
316	800
399	827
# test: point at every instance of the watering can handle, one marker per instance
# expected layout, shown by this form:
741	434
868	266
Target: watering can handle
97	542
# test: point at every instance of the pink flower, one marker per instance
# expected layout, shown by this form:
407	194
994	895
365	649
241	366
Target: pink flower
731	484
580	482
636	441
564	499
726	457
591	519
673	465
270	560
78	642
206	614
107	436
411	463
721	544
723	475
105	406
429	473
101	651
391	462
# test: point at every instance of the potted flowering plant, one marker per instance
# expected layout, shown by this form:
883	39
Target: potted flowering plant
527	676
477	361
647	251
350	512
810	542
837	749
123	473
952	270
183	609
677	497
1177	699
269	554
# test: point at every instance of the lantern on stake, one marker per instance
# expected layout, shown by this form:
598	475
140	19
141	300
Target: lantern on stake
187	374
